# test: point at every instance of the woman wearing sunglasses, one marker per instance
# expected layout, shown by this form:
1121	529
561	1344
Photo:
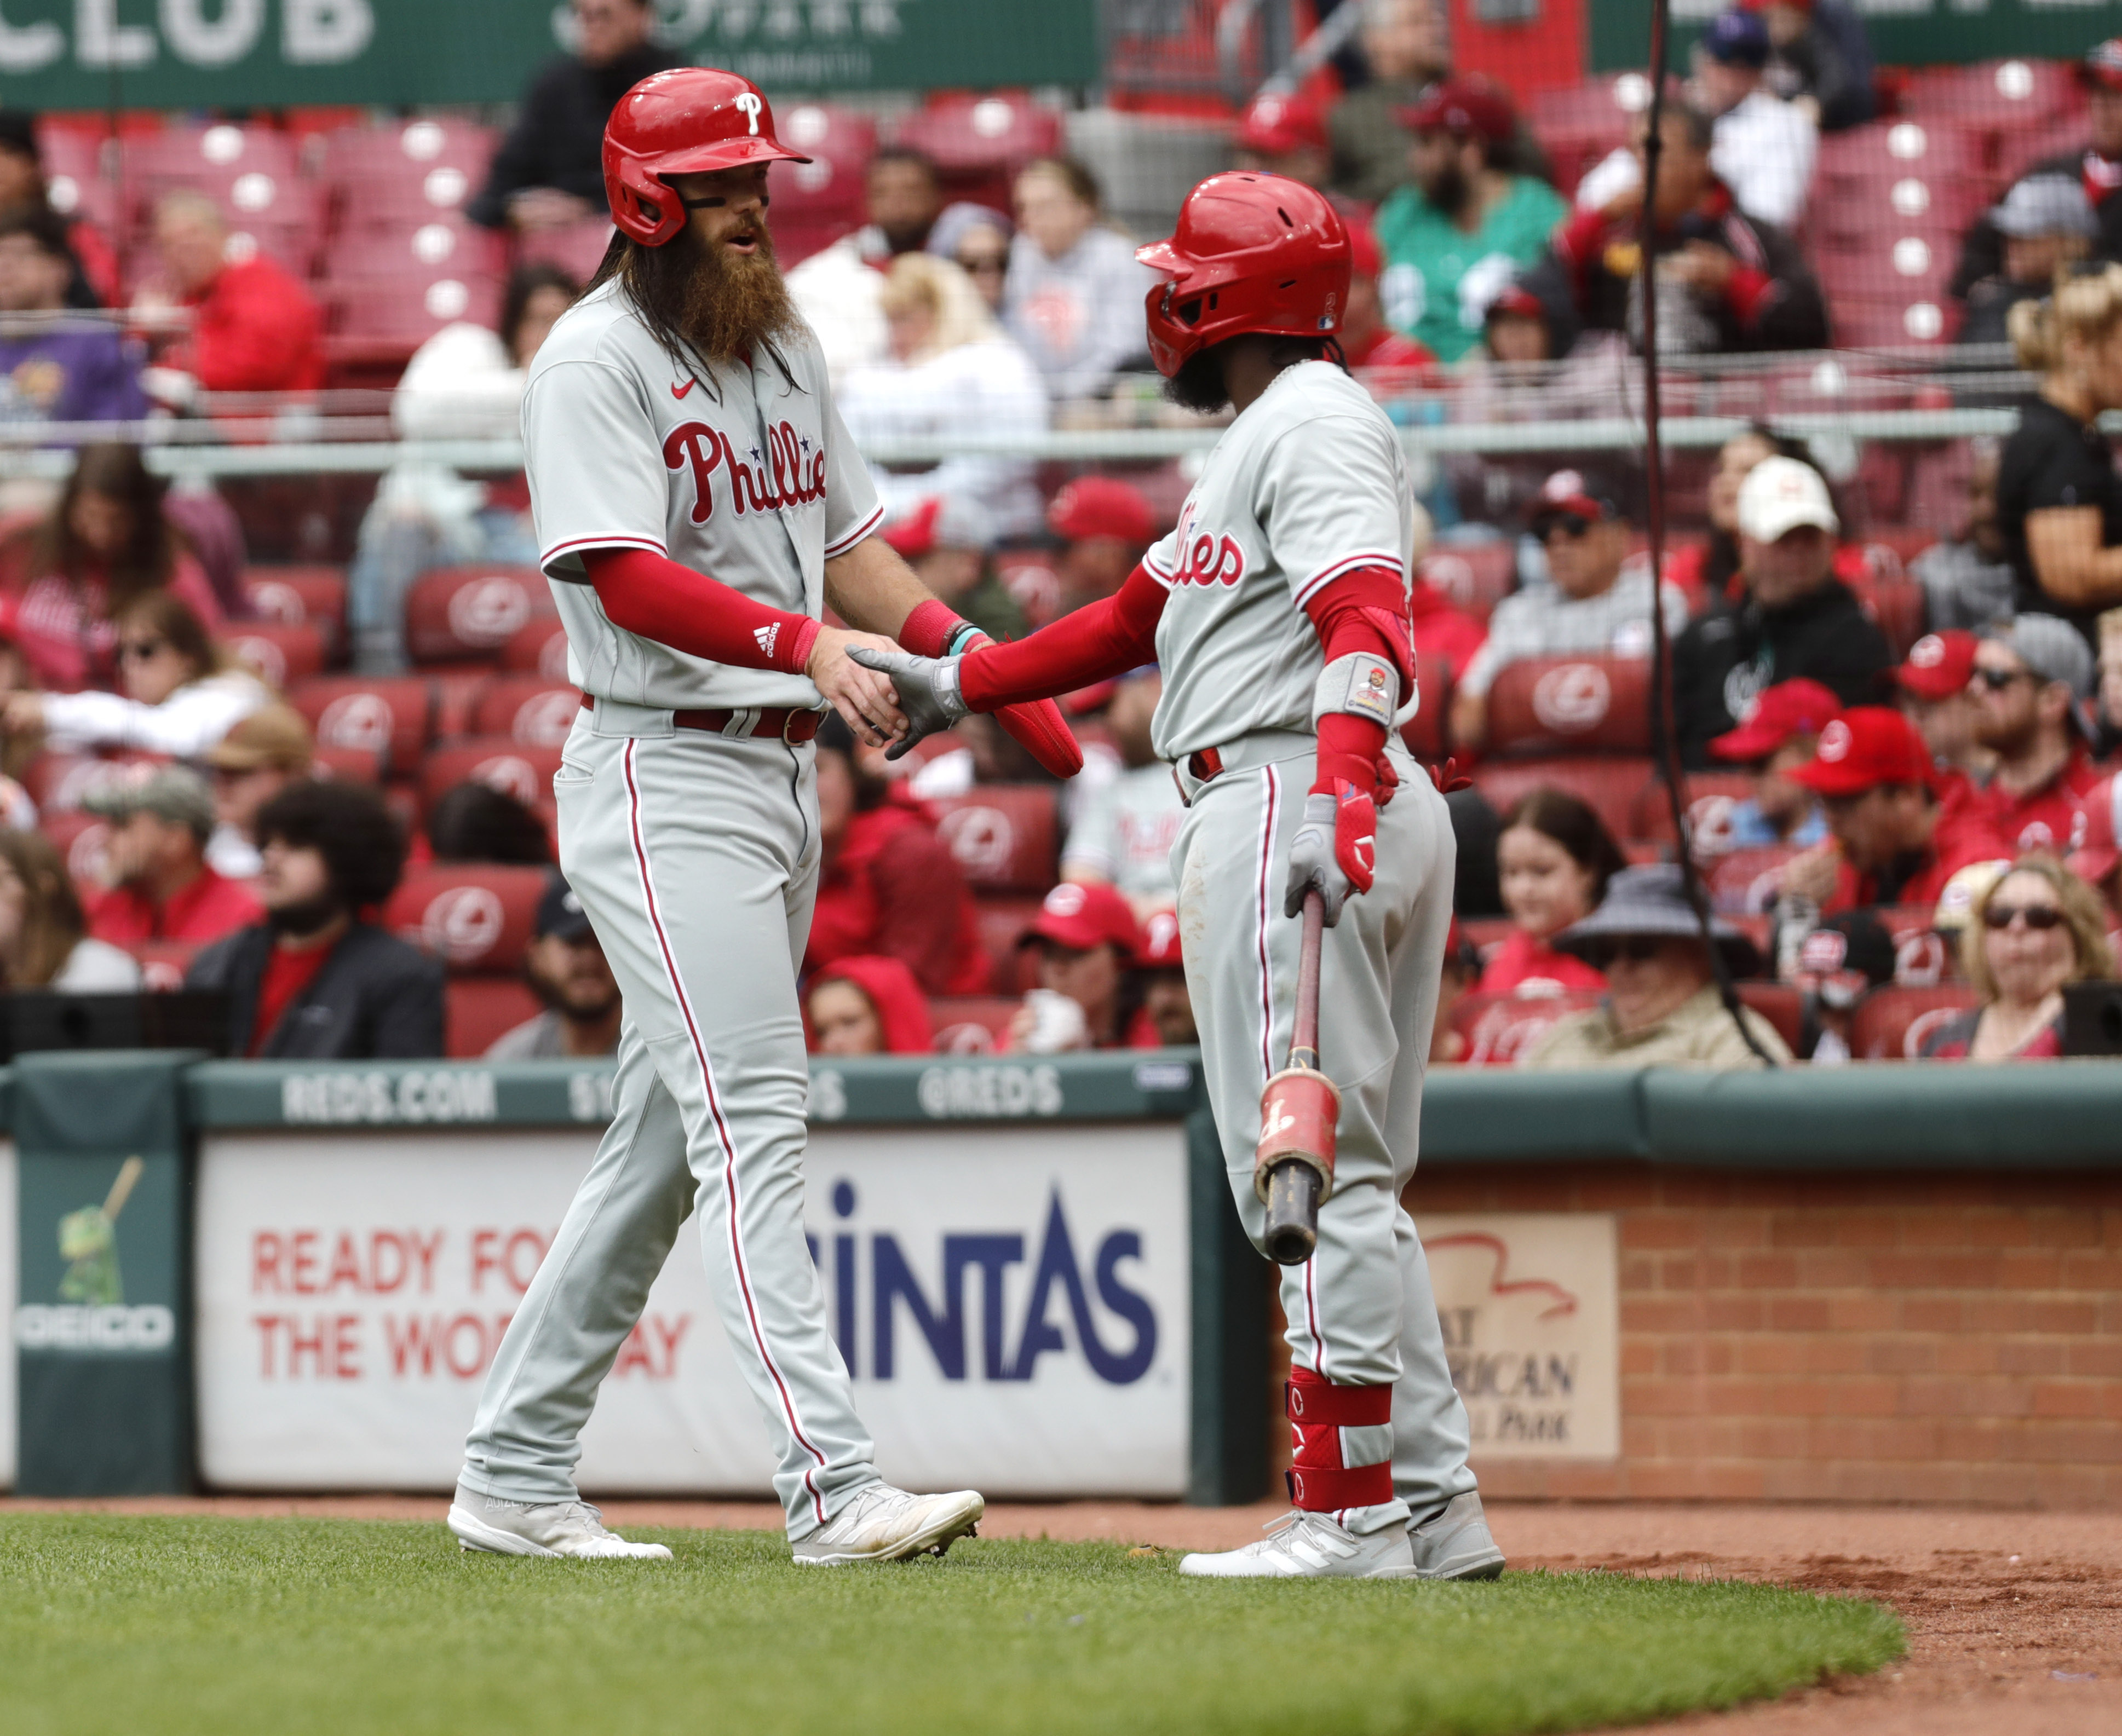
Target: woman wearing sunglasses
2036	928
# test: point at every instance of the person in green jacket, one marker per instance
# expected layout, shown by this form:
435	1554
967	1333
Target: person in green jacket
1464	225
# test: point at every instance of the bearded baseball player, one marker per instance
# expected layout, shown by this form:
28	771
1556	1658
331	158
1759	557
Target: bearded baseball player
697	503
1279	610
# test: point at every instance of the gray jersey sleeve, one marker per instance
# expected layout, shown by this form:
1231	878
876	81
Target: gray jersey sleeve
852	508
597	475
1332	497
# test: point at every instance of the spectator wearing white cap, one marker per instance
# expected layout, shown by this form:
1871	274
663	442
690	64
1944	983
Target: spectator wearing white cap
950	370
1796	619
2046	222
2032	689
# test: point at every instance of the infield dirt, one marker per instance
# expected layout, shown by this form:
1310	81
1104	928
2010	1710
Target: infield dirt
2014	1619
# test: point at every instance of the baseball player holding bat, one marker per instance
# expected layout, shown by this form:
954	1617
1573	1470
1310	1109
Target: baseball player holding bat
1278	611
697	503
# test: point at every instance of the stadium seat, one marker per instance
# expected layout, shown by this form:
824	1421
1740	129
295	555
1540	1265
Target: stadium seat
459	612
540	647
1745	880
1498	1029
1610	786
815	203
977	144
399	314
80	837
1577	128
75	182
1997	96
499	762
396	177
249	171
1004	837
457	693
1002	920
1892	1024
1485	934
1570	705
1475	576
477	1009
972	1024
1921	956
163	963
388	714
1428	733
353	765
276	652
57	783
1897	606
297	593
577	249
1782	1005
527	708
1710	797
474	916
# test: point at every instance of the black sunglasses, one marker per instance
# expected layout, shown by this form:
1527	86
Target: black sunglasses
978	265
1571	524
2040	917
1636	948
1997	679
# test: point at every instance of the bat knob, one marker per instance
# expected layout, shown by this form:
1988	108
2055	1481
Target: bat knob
1293	1212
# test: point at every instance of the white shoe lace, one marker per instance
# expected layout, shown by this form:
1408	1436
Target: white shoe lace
1297	1529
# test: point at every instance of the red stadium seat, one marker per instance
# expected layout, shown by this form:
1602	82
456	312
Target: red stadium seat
1782	1005
1426	733
351	765
398	176
1005	837
474	916
499	762
1897	606
293	594
457	693
1923	957
1568	704
389	714
477	1009
1892	1024
979	143
1002	920
972	1024
1710	797
1578	127
815	203
80	838
1475	576
540	647
456	612
1610	786
526	708
577	249
276	652
163	963
1498	1029
58	783
1745	880
249	171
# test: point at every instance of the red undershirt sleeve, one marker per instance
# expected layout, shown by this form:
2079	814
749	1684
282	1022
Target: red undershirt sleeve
651	595
1365	611
1101	640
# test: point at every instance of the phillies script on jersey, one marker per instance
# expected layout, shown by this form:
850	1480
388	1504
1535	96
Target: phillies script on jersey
790	473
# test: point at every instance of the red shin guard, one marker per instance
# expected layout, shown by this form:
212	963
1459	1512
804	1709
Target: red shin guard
1319	1481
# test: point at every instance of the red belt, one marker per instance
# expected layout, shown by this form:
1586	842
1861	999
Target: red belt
1205	765
771	722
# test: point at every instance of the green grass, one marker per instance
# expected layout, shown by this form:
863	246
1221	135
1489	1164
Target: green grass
139	1625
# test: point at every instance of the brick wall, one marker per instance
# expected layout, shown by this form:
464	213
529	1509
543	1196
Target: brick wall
1942	1337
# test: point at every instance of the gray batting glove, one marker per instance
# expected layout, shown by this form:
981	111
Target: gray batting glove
1313	861
927	689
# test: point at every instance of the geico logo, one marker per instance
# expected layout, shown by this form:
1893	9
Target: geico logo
981	841
487	610
949	1093
263	657
1572	699
543	722
357	720
344	1098
150	1327
510	775
1008	1351
463	923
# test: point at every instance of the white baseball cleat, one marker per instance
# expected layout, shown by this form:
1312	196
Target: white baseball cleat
882	1524
1311	1546
1454	1542
552	1527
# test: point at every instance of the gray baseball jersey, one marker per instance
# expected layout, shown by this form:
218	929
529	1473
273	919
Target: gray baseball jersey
1308	484
743	473
1127	831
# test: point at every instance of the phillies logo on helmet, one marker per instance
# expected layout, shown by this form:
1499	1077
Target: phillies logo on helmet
749	105
790	472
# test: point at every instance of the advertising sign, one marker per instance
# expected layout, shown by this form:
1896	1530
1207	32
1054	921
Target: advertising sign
239	53
1529	1305
1915	32
1014	1310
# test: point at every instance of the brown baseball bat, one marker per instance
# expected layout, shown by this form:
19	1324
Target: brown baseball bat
1293	1165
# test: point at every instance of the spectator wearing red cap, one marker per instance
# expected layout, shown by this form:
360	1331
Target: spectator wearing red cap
947	539
1591	609
1967	578
1465	223
2097	165
1389	362
1124	832
1285	134
1780	734
950	366
1105	526
1088	941
887	883
1554	860
254	327
1798	618
1728	283
1167	1005
867	1004
2033	691
1892	842
1935	698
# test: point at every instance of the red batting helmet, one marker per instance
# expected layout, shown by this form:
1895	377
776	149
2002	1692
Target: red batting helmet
688	121
1252	253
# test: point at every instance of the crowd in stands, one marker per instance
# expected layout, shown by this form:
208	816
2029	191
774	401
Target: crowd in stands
324	794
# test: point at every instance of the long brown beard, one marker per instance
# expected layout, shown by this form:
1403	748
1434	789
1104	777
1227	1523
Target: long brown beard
722	306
